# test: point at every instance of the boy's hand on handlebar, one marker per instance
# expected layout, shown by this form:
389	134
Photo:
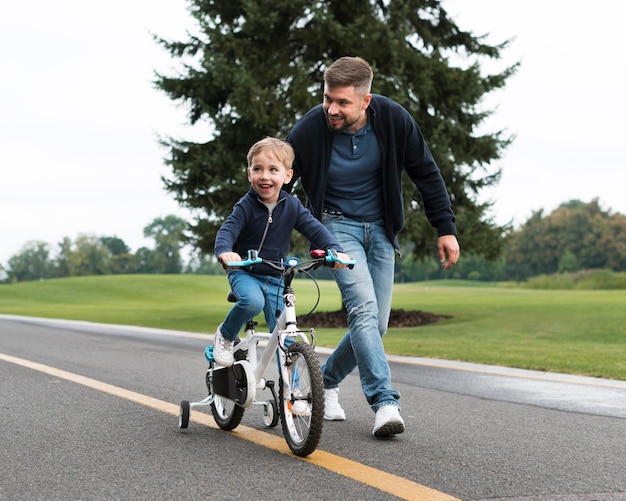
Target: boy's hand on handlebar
343	257
226	257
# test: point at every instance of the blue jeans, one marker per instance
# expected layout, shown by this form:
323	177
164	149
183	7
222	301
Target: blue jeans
366	291
255	293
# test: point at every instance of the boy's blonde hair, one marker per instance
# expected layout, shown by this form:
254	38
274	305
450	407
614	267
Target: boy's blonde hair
274	148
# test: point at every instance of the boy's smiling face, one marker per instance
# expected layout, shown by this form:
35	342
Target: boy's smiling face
267	175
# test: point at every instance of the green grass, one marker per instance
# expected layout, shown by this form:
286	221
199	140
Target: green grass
573	331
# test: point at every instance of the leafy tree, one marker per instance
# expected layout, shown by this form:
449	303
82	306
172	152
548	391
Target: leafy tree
65	250
613	242
575	236
86	256
145	261
254	67
168	233
116	245
122	260
568	263
33	262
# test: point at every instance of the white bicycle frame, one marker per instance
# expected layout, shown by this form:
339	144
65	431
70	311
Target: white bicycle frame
285	327
255	367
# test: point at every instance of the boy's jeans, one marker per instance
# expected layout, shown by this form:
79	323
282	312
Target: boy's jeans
255	293
366	291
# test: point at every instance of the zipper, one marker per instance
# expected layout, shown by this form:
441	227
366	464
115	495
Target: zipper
270	220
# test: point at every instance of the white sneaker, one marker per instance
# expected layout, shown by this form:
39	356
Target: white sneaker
223	350
300	406
332	409
388	421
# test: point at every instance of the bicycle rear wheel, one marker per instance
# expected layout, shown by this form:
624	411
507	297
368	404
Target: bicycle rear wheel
226	412
302	400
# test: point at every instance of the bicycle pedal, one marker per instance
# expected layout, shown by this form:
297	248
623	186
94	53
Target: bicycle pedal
208	354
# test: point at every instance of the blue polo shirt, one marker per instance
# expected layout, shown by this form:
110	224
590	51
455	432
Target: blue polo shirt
354	184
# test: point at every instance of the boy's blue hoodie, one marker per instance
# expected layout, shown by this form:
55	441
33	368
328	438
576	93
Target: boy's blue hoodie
252	225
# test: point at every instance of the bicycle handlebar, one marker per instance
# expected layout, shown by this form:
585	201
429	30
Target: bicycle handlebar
327	258
253	258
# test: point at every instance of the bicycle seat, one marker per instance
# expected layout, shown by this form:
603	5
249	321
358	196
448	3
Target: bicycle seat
231	298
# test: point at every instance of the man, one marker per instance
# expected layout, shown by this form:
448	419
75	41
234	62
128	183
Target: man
350	153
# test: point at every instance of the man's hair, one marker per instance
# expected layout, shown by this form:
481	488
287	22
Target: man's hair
275	148
350	71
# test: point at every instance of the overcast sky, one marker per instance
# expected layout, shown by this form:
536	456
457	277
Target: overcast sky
80	118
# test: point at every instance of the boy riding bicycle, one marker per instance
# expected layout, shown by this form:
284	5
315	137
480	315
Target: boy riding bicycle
263	219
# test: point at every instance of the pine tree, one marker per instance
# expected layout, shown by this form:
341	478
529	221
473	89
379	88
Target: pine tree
255	66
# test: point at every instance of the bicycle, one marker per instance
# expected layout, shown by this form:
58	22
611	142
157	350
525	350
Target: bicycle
300	400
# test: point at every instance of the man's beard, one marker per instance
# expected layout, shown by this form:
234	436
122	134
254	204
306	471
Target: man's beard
345	126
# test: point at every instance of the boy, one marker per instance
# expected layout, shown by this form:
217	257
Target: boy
263	219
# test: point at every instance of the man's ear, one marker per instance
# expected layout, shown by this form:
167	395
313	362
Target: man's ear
366	101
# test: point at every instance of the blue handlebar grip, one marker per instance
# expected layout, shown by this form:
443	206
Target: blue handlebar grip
246	262
331	257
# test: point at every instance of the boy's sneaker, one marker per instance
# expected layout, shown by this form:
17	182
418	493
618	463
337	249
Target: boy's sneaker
300	406
388	421
332	409
223	350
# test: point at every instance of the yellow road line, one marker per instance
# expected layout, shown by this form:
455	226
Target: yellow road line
383	481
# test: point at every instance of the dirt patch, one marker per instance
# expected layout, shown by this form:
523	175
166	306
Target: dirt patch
398	318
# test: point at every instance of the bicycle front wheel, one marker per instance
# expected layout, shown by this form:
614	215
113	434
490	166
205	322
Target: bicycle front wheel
302	400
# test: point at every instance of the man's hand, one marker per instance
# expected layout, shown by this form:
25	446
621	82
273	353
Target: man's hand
343	257
449	251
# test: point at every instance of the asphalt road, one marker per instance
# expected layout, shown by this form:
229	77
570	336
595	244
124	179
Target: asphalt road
89	412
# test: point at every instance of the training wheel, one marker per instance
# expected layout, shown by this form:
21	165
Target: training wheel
183	416
270	413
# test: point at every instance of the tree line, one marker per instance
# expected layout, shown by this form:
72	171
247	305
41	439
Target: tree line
576	236
105	255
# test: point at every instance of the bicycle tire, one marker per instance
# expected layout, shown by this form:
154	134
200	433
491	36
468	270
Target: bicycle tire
226	412
183	414
303	428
